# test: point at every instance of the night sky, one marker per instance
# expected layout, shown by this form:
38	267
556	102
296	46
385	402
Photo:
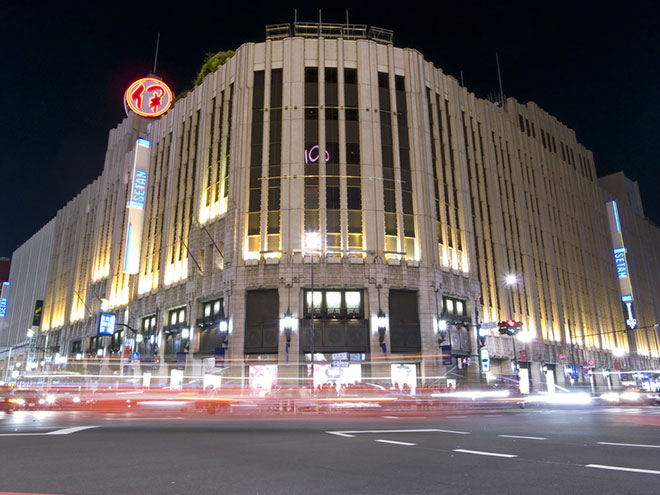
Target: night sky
65	67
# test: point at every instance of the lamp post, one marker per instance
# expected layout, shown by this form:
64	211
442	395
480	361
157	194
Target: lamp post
287	324
312	246
511	280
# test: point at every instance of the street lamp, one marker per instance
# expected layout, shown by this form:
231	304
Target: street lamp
287	328
312	246
381	321
511	280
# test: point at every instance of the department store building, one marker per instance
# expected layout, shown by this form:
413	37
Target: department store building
327	172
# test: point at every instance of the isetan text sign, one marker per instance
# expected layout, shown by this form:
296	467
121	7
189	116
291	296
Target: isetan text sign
135	207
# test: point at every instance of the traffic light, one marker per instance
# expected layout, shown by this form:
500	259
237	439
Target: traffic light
465	362
509	327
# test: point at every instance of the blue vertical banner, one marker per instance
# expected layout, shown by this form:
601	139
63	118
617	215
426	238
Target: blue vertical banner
219	357
446	355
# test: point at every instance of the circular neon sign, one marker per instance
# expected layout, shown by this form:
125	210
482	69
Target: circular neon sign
148	97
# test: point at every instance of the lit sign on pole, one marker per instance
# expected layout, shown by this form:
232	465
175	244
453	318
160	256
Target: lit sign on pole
135	206
148	97
107	324
621	264
3	307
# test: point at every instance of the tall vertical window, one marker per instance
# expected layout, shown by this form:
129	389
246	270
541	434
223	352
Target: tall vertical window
208	181
389	191
353	181
312	152
435	164
227	154
256	151
333	218
404	163
274	161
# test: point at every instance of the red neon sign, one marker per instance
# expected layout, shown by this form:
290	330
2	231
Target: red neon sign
149	97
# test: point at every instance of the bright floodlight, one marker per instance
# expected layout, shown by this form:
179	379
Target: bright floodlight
312	241
510	279
619	351
442	325
526	336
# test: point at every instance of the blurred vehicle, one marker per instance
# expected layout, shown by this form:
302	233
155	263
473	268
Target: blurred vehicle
630	397
654	398
567	399
21	399
5	396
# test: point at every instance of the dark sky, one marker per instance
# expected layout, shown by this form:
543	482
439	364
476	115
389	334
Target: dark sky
65	66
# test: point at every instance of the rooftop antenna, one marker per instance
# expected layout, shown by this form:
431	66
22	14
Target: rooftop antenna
347	18
320	21
499	77
295	16
462	84
156	56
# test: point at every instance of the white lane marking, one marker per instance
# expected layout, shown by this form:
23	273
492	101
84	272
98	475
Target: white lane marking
479	452
395	443
522	437
351	433
65	431
618	468
145	419
340	434
456	416
403	417
630	445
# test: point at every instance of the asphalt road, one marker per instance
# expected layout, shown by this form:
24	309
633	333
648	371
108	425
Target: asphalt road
576	451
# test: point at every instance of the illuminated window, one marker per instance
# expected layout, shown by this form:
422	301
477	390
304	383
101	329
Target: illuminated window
333	304
148	323
353	303
454	307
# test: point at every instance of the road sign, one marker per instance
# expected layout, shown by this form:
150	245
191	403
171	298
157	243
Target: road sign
591	363
135	355
485	360
489	325
339	356
523	355
562	358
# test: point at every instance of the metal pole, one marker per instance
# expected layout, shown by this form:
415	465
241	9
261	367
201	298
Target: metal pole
8	361
312	330
513	337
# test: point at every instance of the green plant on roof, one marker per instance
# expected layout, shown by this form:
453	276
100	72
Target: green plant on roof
211	63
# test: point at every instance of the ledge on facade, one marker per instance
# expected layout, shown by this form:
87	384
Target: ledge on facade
175	328
329	30
414	263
